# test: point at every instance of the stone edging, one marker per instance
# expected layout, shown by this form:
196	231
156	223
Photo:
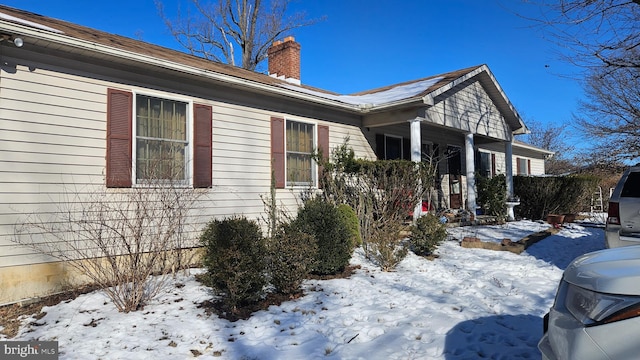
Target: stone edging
508	245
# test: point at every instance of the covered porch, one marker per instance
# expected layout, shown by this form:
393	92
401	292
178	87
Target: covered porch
456	156
464	126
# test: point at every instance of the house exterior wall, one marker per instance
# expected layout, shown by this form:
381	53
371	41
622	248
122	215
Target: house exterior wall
469	109
53	146
535	160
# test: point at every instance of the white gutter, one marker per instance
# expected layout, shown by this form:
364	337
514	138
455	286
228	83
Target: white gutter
522	145
27	32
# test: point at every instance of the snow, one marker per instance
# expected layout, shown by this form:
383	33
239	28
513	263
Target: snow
395	93
4	16
466	304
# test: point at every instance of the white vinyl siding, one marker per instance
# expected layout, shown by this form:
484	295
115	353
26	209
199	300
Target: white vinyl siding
53	148
470	109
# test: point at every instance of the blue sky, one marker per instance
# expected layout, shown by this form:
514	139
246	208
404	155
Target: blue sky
365	44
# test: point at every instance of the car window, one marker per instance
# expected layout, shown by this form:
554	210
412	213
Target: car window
631	186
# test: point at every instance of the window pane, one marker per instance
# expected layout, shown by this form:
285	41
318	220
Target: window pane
393	148
299	150
485	164
524	168
160	139
298	168
631	186
160	160
158	118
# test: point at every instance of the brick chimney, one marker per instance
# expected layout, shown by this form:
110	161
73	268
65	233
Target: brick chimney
284	60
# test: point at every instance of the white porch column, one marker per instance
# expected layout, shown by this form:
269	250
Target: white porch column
416	142
470	165
416	156
508	154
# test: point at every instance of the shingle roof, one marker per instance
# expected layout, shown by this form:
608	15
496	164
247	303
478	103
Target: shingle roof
396	94
124	43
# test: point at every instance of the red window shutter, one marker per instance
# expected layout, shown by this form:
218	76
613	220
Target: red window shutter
518	170
202	152
323	145
493	164
119	120
277	151
528	166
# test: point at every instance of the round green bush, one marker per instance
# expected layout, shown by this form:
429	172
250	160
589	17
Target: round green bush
350	218
426	234
234	259
323	220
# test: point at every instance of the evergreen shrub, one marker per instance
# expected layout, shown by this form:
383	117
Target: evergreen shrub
234	258
426	234
492	194
291	258
353	224
541	196
323	220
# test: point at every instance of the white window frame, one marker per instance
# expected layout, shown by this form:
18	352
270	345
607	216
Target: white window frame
188	151
314	165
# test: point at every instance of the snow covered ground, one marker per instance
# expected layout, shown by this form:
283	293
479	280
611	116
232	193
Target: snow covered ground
467	304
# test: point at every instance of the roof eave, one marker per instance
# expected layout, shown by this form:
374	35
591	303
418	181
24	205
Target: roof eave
64	40
533	148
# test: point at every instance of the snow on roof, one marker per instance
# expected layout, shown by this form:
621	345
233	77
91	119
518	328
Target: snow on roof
4	16
395	93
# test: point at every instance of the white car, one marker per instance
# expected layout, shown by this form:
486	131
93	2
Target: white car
623	222
596	314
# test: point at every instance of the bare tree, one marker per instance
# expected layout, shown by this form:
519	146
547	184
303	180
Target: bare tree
611	112
603	38
552	138
236	32
592	33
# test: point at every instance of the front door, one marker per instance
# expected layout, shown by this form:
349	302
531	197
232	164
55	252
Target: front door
455	176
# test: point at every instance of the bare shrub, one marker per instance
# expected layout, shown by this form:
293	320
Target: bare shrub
118	238
289	250
383	193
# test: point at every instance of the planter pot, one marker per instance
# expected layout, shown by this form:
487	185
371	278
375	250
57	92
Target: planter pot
555	219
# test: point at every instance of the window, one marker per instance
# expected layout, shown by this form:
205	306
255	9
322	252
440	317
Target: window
161	149
523	166
151	140
631	187
292	143
392	147
484	164
299	148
